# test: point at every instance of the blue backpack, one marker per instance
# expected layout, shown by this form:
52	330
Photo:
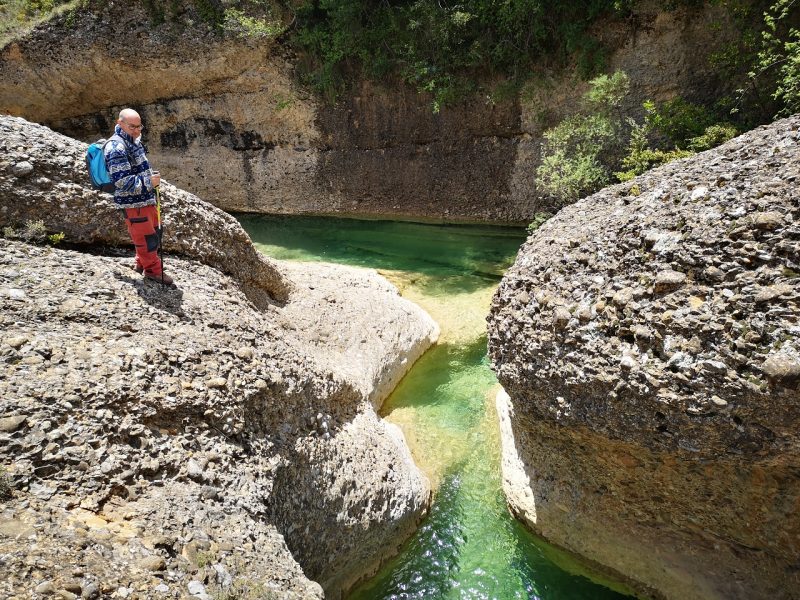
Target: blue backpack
96	164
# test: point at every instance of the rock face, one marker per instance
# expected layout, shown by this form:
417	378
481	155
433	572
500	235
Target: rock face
219	438
648	340
225	119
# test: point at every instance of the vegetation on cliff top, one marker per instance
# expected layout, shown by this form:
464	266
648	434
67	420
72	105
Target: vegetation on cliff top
598	145
449	48
440	46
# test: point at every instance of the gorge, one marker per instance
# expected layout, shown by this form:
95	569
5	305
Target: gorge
258	433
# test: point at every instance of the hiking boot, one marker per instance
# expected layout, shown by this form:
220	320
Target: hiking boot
138	268
161	278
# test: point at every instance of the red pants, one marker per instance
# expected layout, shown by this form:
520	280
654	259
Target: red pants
145	231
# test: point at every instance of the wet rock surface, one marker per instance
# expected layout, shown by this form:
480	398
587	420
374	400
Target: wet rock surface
647	338
189	441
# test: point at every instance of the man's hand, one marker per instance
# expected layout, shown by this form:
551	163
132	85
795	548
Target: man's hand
155	179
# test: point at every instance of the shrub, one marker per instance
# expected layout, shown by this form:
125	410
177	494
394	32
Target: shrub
678	120
241	25
579	153
779	55
713	136
440	46
539	219
641	157
34	231
56	238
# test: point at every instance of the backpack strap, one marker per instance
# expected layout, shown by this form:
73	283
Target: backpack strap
124	145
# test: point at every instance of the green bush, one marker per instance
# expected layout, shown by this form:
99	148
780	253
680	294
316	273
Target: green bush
678	120
571	164
439	46
33	232
539	219
579	153
714	135
778	58
239	24
641	157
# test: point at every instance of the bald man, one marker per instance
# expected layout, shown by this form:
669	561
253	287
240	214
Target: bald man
134	192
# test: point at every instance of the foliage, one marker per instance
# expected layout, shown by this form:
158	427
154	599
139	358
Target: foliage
763	61
16	15
33	232
641	157
55	238
242	25
579	153
677	120
539	219
437	45
779	55
714	135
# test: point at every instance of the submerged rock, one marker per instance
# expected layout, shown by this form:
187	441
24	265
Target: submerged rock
658	434
158	440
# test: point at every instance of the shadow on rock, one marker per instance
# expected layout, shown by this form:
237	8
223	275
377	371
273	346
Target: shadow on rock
163	297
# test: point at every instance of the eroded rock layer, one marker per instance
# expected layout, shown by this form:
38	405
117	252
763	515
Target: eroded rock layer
648	340
225	117
218	438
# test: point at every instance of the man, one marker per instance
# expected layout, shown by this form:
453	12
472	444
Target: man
134	192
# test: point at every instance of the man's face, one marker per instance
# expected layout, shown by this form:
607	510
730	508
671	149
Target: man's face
132	126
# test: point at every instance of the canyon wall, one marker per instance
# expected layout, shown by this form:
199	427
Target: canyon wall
226	119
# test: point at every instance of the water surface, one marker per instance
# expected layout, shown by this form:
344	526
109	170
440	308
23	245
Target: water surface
469	547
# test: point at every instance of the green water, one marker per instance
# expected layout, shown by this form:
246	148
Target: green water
469	547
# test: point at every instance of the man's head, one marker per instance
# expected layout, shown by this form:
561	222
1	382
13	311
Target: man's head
130	122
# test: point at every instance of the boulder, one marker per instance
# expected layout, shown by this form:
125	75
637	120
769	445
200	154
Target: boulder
223	431
658	436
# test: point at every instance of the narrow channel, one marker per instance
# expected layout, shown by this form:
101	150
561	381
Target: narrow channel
469	547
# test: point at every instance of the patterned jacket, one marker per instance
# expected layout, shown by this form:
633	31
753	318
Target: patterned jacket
129	171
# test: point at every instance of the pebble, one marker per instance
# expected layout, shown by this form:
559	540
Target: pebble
45	588
153	563
10	424
668	281
22	169
197	589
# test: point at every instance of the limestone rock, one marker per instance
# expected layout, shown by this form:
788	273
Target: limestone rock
670	438
783	368
136	430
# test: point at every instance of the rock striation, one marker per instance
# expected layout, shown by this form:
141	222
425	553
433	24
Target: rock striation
647	338
219	438
226	119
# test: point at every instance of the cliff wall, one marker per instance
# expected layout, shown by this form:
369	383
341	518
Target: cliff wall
647	339
220	437
226	119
